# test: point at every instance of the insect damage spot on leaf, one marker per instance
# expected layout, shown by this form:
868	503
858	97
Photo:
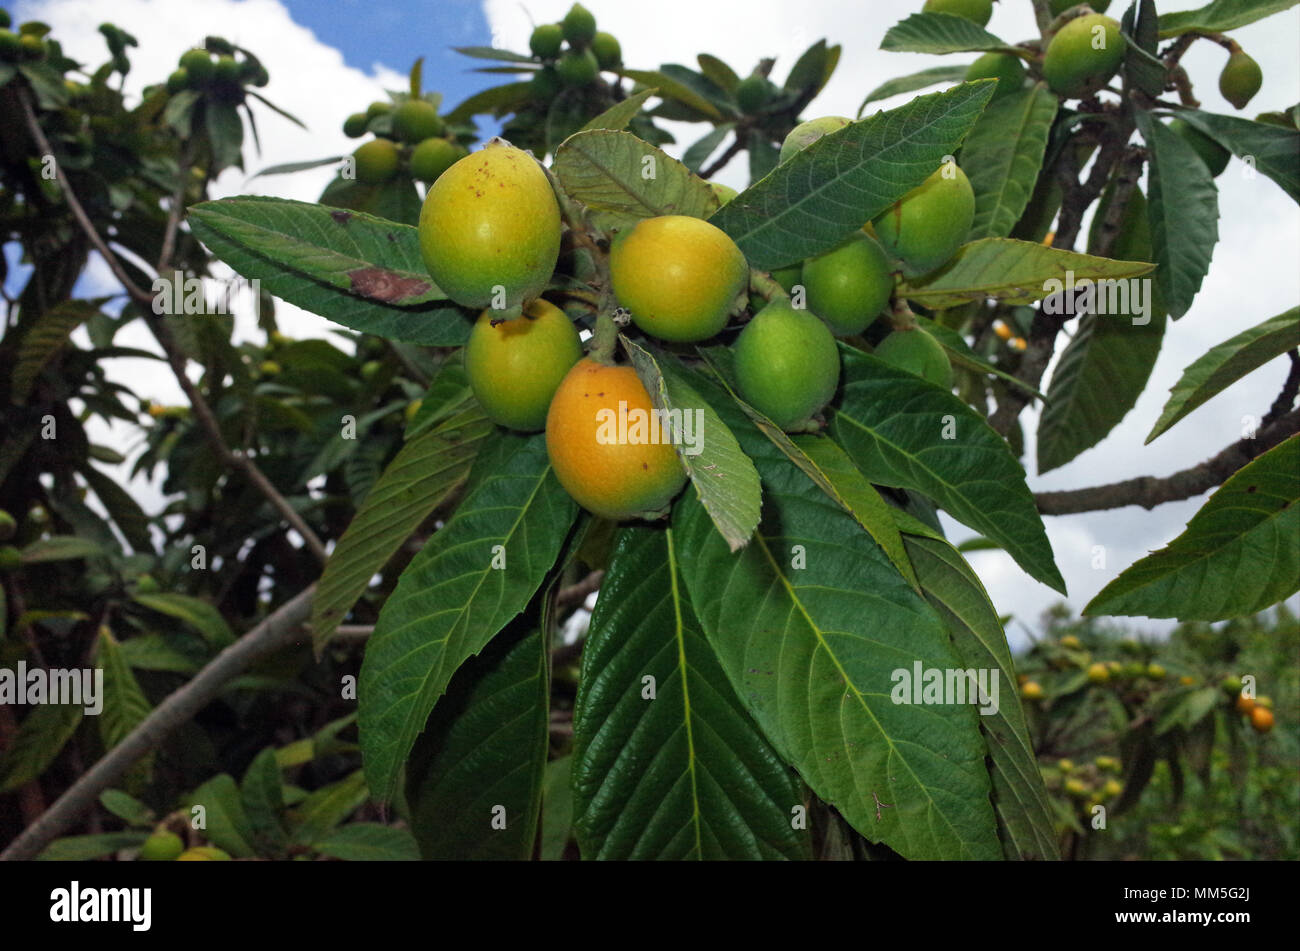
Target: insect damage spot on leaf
383	285
342	217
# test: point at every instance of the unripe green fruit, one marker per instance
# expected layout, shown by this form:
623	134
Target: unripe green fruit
515	366
376	161
1135	669
1156	672
146	584
753	93
918	353
806	133
1112	789
849	285
1060	6
11	558
926	226
162	846
8	527
724	192
578	25
545	41
788	277
32	46
204	853
178	80
226	71
371	369
1005	68
678	275
577	68
1076	788
491	221
977	10
545	85
1214	155
787	364
269	367
1065	765
11	47
1231	685
1240	79
431	158
1083	56
1107	764
1072	642
416	120
354	126
198	63
378	109
609	53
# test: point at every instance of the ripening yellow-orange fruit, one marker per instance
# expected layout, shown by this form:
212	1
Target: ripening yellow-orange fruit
514	366
605	450
679	276
490	229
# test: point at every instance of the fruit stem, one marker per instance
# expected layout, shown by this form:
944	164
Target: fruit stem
901	316
604	338
762	283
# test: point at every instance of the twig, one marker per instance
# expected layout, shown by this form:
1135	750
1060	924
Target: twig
722	160
1290	387
1150	491
280	629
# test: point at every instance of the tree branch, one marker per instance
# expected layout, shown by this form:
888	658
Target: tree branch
1290	387
207	419
278	630
733	150
1149	491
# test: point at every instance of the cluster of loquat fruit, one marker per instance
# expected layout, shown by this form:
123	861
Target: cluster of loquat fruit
408	135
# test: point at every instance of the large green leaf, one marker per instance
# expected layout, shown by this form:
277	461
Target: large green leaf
122	507
914	81
1225	364
680	772
1183	211
809	203
226	824
473	576
41	735
474	782
1220	15
42	340
325	808
902	431
1112	352
197	613
357	270
812	624
670	88
125	705
1011	271
623	179
1271	149
1019	797
720	472
368	842
83	848
1239	554
940	33
1107	355
1003	155
421	476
